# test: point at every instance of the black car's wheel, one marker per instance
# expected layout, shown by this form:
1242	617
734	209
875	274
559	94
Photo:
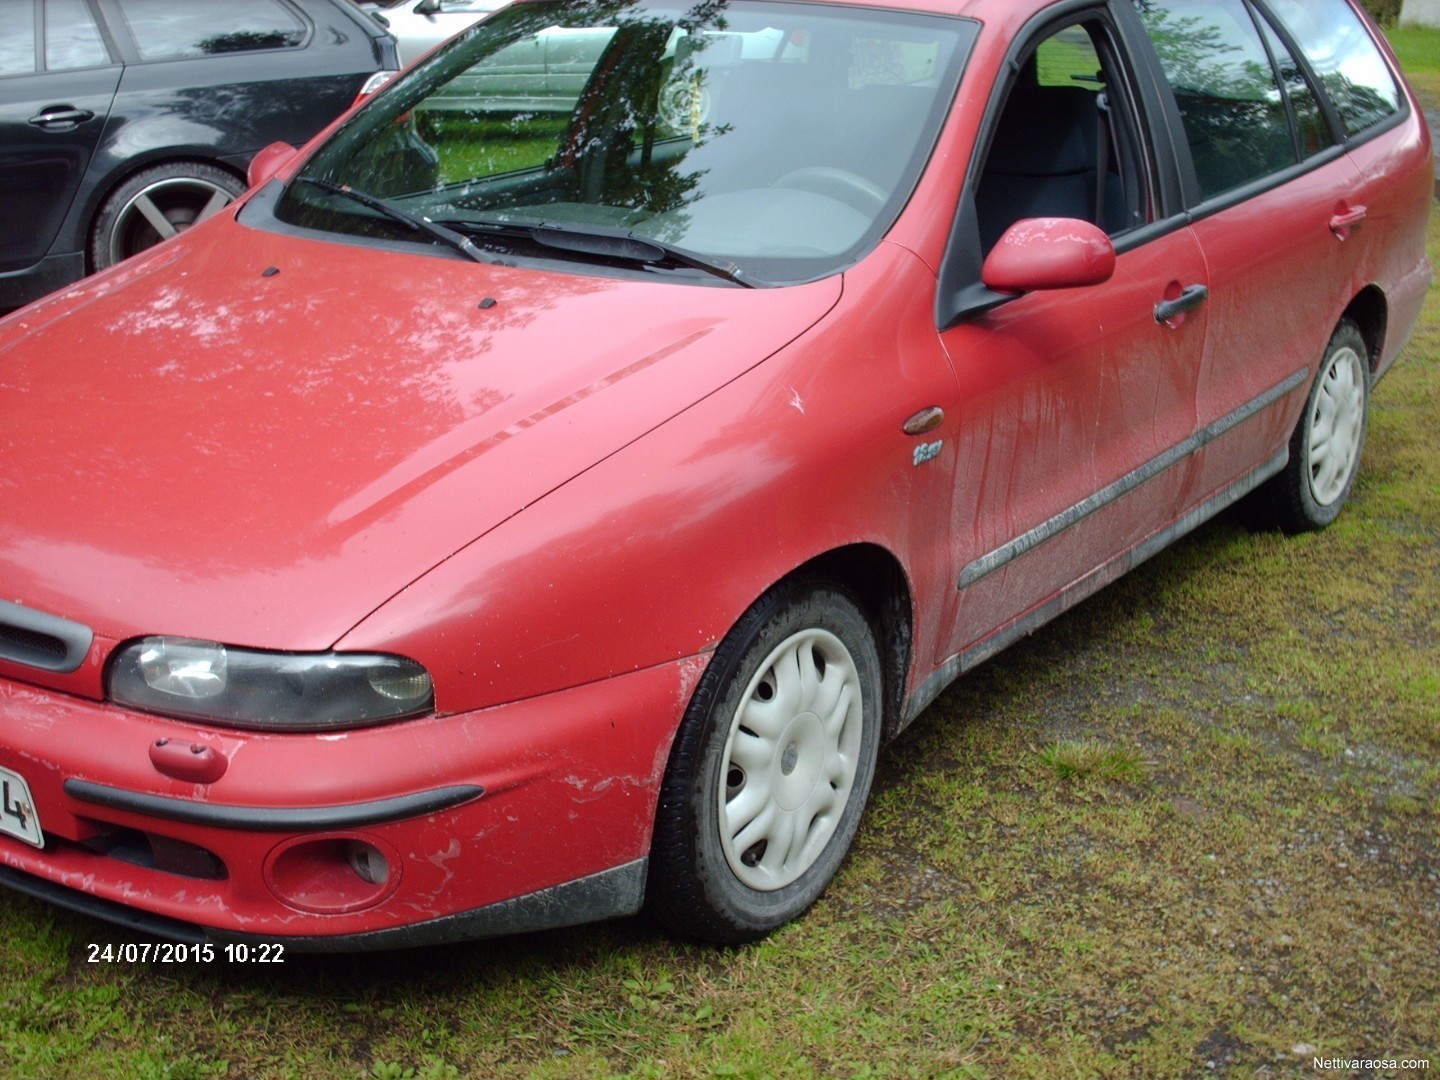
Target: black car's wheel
1326	446
771	768
156	204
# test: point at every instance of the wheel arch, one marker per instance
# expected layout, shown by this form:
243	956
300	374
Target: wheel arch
878	581
1371	313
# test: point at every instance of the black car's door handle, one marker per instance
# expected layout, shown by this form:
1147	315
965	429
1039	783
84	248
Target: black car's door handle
62	116
1191	297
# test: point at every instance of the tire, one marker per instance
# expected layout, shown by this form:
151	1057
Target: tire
770	770
1328	440
156	204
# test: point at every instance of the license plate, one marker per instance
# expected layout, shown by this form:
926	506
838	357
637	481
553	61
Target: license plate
17	810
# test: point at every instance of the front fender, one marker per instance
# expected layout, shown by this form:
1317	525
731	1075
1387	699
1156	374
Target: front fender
652	554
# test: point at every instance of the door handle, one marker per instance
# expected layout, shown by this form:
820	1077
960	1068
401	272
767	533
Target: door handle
62	116
1345	218
1191	297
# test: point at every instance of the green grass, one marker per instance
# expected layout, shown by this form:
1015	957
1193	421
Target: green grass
1265	889
1078	758
1418	49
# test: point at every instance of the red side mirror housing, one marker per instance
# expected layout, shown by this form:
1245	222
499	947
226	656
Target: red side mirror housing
1048	253
268	162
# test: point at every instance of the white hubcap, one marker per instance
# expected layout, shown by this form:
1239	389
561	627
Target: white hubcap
790	761
1335	426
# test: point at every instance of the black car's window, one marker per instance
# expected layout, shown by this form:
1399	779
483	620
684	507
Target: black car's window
164	29
1310	124
778	138
72	40
1234	112
1348	62
17	39
1066	143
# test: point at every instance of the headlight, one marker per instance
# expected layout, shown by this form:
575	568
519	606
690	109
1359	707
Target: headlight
249	688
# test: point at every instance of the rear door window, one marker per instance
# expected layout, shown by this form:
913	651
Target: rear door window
1230	100
72	39
17	42
165	30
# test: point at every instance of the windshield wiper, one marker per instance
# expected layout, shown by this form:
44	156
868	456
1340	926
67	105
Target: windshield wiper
606	243
414	222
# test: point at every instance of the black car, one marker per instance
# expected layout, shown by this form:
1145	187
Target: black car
123	122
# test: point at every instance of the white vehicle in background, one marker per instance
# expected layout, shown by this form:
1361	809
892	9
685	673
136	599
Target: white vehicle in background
420	25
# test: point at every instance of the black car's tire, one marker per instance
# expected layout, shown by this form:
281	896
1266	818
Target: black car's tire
156	204
771	768
1328	440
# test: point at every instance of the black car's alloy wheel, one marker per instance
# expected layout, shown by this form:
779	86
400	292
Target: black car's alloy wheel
157	204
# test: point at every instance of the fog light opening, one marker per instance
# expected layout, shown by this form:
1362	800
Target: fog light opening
334	874
368	862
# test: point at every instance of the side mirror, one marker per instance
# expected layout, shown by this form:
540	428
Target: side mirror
1048	253
268	162
427	7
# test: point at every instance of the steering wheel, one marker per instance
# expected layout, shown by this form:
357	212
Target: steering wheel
847	187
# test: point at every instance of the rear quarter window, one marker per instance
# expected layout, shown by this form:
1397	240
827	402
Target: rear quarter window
1345	58
165	30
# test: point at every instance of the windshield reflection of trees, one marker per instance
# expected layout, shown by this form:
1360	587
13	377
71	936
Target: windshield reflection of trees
620	146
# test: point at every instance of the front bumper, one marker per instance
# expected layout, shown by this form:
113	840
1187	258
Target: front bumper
530	815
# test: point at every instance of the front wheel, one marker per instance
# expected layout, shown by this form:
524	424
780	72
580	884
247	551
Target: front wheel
1326	446
770	770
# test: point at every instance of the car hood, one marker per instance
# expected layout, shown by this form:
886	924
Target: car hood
259	439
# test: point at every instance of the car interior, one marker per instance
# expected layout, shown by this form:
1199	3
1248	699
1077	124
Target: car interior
1060	150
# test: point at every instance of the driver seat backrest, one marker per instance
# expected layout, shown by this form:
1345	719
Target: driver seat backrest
1043	160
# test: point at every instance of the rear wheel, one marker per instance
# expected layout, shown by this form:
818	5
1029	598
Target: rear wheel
156	204
771	768
1326	446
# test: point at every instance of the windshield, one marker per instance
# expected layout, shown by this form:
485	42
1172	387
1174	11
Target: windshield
772	142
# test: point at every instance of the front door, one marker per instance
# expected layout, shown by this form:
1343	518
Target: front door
1077	405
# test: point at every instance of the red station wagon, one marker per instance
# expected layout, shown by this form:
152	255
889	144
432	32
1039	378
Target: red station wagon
502	519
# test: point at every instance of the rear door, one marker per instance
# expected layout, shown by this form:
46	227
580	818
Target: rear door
57	81
1385	216
1275	201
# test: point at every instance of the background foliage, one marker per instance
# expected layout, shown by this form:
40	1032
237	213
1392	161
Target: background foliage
1384	11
